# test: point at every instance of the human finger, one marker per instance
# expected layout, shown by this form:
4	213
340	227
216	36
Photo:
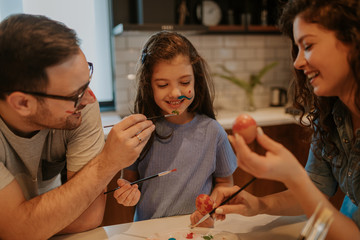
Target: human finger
122	146
196	216
127	195
266	142
119	193
123	187
192	219
208	223
239	144
141	138
133	196
134	128
220	217
129	121
227	209
121	182
223	193
247	160
126	131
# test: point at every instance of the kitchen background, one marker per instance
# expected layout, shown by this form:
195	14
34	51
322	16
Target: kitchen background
242	54
242	47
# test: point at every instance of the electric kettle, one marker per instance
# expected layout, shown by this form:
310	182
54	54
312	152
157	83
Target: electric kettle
278	97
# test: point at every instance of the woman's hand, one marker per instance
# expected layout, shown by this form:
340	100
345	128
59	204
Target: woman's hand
127	195
244	203
277	164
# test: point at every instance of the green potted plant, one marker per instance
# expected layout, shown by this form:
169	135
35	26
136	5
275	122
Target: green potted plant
248	86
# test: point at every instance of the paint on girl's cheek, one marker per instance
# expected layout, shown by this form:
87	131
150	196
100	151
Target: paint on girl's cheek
70	112
92	94
188	98
181	97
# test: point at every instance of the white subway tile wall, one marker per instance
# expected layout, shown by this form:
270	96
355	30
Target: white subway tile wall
242	54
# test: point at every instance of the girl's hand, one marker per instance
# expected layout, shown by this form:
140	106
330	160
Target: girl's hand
277	164
127	195
244	203
196	216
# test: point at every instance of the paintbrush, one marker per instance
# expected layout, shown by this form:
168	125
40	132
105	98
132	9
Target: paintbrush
223	203
144	179
150	118
163	116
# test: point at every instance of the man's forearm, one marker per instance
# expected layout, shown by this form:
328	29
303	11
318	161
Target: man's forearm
56	209
91	218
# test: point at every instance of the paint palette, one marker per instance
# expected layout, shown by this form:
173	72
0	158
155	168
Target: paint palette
195	234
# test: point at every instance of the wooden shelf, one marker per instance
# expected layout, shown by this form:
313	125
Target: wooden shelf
122	28
241	29
200	29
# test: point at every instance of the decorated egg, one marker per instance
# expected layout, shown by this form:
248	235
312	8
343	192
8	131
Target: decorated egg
245	126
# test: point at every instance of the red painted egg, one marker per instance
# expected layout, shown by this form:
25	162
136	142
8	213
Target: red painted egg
245	126
204	204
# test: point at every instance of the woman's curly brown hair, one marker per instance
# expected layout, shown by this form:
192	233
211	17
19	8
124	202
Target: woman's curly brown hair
341	17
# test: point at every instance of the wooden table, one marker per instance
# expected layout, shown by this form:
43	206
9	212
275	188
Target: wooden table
246	228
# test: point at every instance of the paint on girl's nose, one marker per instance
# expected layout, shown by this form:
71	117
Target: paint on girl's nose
92	94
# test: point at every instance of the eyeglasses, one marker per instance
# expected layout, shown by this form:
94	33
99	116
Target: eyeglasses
76	98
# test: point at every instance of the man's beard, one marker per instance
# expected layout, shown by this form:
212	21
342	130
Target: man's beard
44	119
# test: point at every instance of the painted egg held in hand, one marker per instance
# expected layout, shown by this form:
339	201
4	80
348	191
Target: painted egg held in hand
245	126
204	204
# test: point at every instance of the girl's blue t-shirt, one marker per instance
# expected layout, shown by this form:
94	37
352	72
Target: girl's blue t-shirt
199	150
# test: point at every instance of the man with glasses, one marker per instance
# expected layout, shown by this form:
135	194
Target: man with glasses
50	120
74	98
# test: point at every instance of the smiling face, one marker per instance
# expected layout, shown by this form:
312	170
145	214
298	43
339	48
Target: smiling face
171	80
66	79
323	59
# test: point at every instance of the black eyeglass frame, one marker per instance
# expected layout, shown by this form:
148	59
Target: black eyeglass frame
76	98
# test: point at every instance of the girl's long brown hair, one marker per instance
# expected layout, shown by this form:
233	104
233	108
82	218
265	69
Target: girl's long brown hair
165	46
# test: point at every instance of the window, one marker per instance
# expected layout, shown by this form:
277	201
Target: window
91	21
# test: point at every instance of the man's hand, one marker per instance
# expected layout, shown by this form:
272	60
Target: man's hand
126	141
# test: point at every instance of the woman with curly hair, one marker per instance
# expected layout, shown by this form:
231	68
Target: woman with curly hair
325	37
